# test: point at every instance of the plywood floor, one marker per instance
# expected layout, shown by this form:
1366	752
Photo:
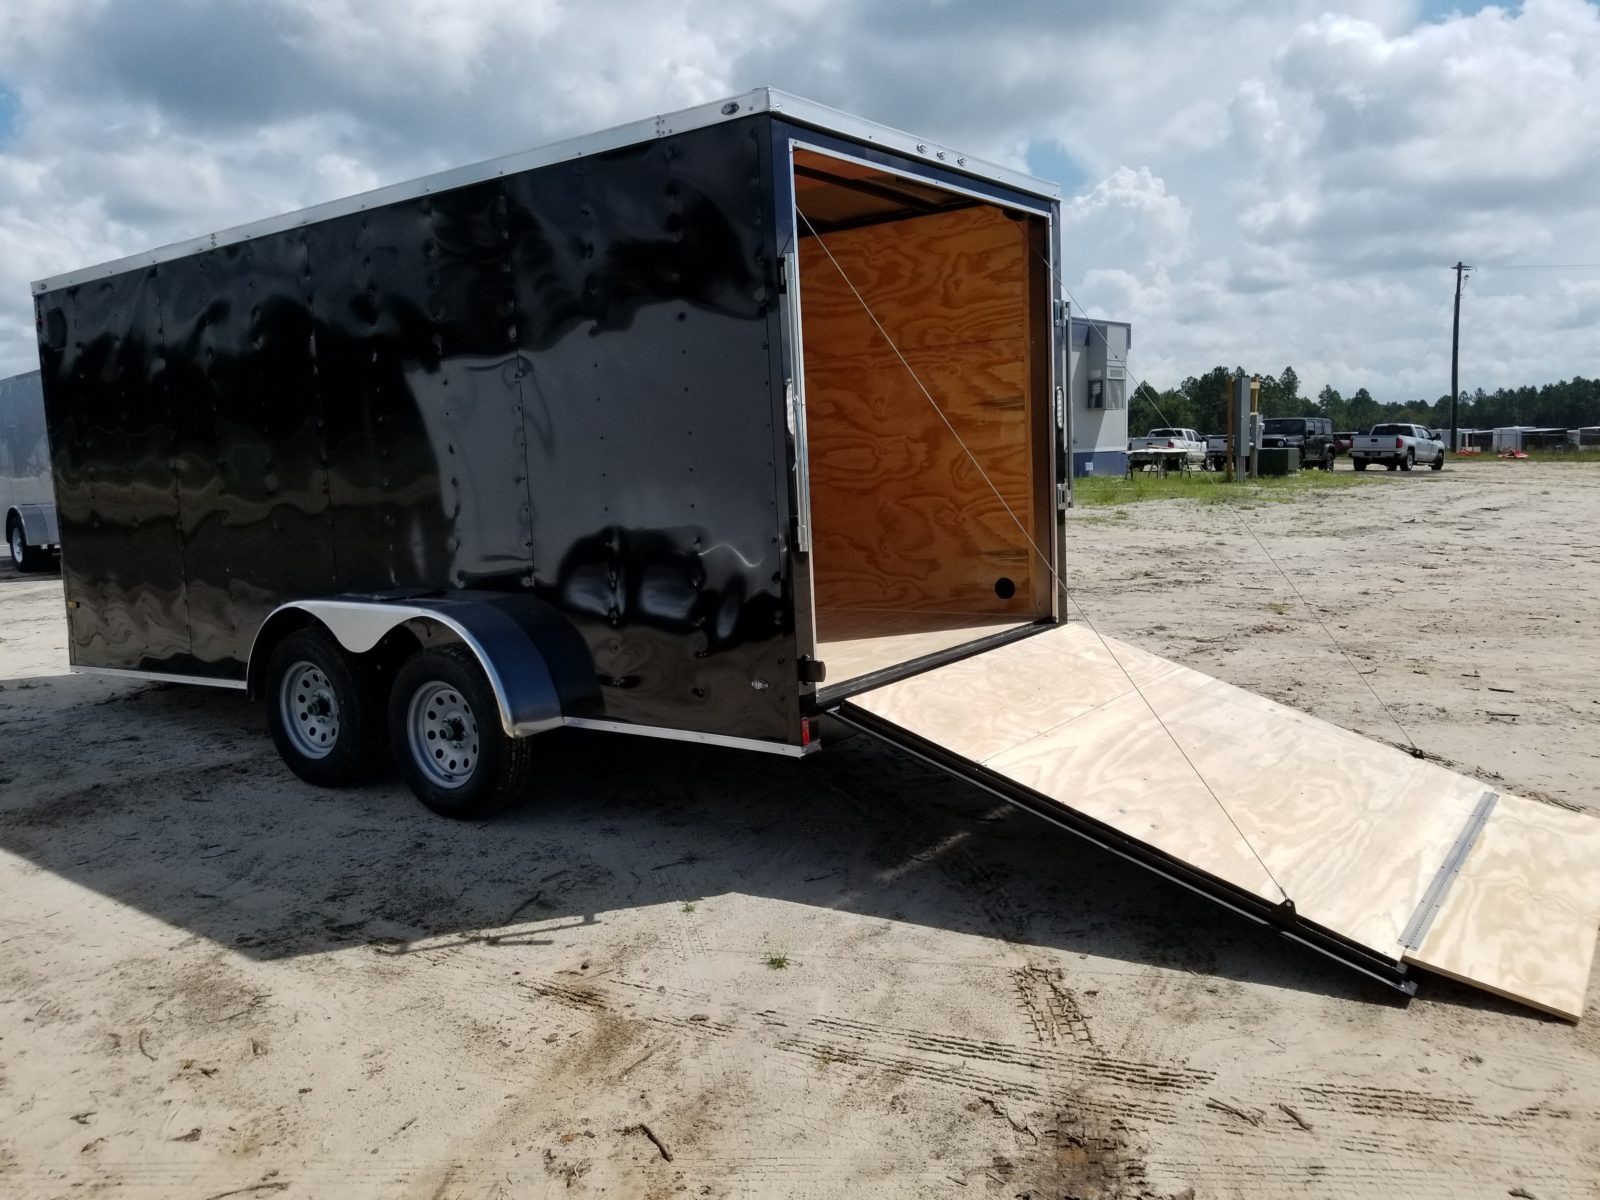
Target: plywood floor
1355	844
856	642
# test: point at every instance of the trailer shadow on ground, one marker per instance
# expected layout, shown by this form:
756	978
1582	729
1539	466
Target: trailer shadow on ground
180	808
9	573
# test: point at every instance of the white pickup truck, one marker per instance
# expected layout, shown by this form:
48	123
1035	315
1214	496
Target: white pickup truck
1167	448
1398	447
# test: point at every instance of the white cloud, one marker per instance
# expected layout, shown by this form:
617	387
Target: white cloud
1133	205
1266	184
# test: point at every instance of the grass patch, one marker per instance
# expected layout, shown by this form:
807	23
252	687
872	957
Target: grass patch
688	906
1206	487
776	962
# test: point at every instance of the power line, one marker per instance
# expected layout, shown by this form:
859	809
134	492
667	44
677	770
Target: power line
1539	267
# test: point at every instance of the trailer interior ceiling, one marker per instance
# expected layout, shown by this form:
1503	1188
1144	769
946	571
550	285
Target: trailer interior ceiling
913	553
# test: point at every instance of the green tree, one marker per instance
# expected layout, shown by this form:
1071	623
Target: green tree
1363	411
1289	392
1207	398
1280	399
1144	409
1333	406
1202	402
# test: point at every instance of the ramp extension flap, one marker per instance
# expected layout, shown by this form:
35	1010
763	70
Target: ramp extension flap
1387	860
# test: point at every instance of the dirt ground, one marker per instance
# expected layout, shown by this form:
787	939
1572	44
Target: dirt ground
692	972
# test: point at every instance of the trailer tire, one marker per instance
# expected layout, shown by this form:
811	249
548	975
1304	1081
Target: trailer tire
324	713
445	734
24	557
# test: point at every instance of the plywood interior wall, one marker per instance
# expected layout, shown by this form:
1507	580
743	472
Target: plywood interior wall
901	519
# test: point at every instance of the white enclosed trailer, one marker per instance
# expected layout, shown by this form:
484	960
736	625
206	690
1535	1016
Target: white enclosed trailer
27	497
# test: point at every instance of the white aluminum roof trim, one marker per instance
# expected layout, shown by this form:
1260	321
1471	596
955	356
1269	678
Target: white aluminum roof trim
1044	208
807	112
793	108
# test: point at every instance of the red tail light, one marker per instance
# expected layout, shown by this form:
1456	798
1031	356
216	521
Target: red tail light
1171	445
805	731
1399	443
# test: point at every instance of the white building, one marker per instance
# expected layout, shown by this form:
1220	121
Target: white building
1096	433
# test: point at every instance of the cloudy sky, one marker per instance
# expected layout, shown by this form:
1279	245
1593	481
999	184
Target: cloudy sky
1248	183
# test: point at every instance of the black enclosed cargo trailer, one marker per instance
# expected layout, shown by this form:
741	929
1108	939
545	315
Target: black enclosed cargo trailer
610	388
699	428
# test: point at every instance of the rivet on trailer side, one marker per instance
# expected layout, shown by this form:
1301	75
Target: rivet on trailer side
700	428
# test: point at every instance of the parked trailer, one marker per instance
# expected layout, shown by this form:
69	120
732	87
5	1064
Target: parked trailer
702	428
27	500
1528	437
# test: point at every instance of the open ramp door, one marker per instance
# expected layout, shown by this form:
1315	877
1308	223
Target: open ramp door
1378	859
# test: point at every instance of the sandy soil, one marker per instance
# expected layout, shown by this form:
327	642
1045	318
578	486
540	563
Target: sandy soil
215	981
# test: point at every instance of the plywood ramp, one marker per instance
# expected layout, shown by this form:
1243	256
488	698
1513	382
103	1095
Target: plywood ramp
1359	844
1520	918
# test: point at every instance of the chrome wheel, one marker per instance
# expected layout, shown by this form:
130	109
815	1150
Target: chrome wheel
19	548
310	710
443	734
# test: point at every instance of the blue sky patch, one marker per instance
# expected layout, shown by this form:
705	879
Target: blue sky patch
10	113
1050	160
1438	10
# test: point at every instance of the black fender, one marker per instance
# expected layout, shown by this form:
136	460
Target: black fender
537	664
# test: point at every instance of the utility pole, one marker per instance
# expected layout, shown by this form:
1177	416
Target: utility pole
1455	353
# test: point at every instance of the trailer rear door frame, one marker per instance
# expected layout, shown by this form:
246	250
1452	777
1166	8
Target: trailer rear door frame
1046	365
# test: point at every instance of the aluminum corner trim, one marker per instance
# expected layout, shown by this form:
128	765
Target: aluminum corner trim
786	749
237	685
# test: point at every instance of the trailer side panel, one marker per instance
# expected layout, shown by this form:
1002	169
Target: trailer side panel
646	304
248	469
111	444
556	383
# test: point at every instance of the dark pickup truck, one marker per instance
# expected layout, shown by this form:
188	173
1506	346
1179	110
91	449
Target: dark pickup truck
1312	436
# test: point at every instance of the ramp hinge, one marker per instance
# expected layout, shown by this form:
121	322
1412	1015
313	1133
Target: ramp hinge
1416	929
